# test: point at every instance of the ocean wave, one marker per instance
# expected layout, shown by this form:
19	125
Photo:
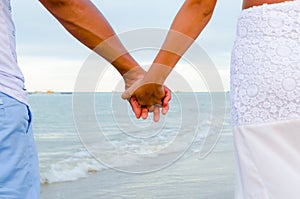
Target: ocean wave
135	151
71	169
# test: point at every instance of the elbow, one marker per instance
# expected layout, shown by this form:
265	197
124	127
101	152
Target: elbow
205	7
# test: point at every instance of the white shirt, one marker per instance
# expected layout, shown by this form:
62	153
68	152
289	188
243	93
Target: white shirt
11	78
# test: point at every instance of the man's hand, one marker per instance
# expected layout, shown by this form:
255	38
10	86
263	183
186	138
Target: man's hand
134	75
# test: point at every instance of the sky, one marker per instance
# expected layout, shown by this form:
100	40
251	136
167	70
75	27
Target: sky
51	58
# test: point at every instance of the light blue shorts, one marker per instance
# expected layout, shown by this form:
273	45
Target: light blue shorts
19	172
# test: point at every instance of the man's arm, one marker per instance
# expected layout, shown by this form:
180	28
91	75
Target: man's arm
186	27
86	23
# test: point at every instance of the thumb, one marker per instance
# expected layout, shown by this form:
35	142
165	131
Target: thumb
130	91
126	95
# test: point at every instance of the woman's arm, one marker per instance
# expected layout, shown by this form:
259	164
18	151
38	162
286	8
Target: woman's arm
186	27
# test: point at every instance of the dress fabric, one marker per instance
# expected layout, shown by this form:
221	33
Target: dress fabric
265	101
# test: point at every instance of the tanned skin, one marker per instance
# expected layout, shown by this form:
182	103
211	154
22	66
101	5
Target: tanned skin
251	3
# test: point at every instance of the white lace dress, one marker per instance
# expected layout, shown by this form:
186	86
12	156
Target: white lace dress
265	101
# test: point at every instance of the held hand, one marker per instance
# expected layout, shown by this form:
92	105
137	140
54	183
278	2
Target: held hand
149	94
165	105
148	97
131	77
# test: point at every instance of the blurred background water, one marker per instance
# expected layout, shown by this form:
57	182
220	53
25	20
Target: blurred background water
66	164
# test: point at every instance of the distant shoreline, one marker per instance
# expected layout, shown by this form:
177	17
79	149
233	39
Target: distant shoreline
70	93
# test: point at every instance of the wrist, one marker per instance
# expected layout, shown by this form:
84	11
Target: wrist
157	74
134	72
133	75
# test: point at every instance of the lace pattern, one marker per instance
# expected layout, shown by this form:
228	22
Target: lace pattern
265	65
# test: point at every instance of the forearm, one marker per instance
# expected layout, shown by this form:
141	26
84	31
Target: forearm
186	27
86	23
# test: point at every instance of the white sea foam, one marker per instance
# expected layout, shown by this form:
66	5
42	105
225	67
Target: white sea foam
81	164
71	169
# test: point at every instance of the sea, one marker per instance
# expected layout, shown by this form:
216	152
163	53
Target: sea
90	145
